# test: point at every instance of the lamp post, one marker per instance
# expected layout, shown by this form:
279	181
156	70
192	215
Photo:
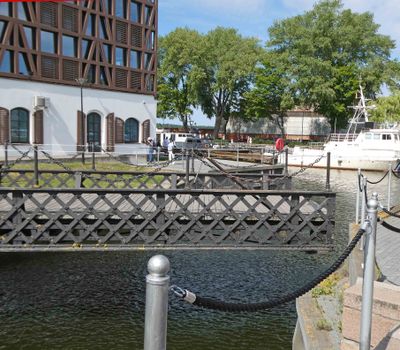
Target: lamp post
82	82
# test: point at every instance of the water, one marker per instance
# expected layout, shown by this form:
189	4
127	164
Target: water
96	300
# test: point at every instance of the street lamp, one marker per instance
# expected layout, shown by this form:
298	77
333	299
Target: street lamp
82	82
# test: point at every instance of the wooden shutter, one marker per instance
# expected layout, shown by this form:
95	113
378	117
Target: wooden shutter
70	19
49	67
120	78
136	80
70	70
136	36
38	127
4	126
81	121
110	132
48	13
121	32
119	130
145	130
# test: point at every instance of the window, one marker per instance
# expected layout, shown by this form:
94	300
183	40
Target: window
135	59
135	11
150	40
2	30
69	46
19	125
147	61
120	56
147	15
107	52
103	76
120	8
91	76
386	137
86	44
23	64
90	30
94	132
7	64
131	131
30	37
102	29
48	41
23	12
5	9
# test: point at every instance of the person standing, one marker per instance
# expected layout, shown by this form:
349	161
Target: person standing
171	155
150	150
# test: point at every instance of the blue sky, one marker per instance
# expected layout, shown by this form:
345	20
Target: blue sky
253	17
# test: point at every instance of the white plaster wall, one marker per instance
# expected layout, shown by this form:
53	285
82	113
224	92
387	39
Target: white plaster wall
60	118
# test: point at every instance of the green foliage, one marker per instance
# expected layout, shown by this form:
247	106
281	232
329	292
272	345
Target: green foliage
326	287
325	53
387	109
178	53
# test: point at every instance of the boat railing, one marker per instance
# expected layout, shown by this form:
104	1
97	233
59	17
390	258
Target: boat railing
342	137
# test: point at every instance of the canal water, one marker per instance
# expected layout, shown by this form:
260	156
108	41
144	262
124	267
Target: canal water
96	300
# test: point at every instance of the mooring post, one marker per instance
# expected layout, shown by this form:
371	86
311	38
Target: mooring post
192	160
6	153
35	165
156	314
369	274
363	200
328	171
389	194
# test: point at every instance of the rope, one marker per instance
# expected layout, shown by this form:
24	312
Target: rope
390	227
213	304
377	182
390	213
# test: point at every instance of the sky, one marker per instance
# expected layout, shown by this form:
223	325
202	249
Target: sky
253	17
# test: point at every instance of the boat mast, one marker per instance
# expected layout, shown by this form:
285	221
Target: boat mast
360	116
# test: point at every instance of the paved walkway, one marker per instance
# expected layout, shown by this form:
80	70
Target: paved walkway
388	251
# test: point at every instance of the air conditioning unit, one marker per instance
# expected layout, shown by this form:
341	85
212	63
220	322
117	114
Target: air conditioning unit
40	102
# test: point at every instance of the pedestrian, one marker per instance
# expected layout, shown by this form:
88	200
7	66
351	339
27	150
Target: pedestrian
150	151
171	155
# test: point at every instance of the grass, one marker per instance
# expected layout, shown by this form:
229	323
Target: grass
68	181
327	286
324	325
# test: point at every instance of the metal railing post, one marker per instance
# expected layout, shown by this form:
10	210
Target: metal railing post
192	155
156	314
363	204
6	153
286	161
328	171
369	273
187	168
35	165
358	192
237	156
389	194
158	155
93	158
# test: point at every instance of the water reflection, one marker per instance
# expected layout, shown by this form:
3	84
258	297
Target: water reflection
96	300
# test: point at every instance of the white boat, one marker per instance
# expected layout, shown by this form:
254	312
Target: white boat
368	149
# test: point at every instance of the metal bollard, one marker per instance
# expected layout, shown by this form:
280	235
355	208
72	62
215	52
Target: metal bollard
358	197
328	172
389	194
363	204
369	273
156	315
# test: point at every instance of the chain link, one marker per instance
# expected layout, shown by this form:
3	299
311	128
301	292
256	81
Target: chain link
15	162
21	152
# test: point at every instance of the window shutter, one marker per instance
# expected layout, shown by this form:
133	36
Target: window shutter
119	130
121	29
136	80
146	130
81	121
48	13
49	67
136	36
38	127
120	78
110	132
4	126
70	70
70	19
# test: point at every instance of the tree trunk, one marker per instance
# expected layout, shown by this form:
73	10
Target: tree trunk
217	126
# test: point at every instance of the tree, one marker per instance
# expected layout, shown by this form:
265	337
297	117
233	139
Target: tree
223	73
387	109
325	53
271	96
178	52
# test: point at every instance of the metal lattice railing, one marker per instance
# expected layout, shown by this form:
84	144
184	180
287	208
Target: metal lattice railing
137	219
137	180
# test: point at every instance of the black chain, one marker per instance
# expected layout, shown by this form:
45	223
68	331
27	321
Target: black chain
15	162
56	161
390	213
377	182
209	303
306	167
21	152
